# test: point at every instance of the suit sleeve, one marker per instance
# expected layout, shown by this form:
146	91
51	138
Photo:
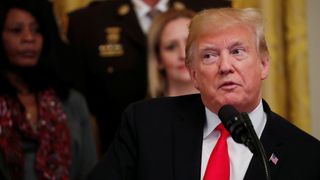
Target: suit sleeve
120	162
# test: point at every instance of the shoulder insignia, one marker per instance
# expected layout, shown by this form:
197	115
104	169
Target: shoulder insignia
178	5
124	9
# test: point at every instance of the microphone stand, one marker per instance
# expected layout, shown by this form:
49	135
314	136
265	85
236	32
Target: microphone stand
254	141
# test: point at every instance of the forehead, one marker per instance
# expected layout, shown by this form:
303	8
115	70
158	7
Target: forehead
16	15
179	24
230	35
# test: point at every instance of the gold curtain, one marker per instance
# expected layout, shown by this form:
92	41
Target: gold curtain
287	87
62	8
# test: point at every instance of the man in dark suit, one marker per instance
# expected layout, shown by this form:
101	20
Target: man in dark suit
109	42
172	138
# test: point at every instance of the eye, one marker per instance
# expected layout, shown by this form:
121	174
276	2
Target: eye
239	53
209	57
15	30
35	29
171	46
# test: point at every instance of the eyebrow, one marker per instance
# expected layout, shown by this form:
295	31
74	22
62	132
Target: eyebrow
207	47
235	44
213	47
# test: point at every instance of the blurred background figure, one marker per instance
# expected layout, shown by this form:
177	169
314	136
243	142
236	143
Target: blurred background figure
4	172
110	48
167	73
45	125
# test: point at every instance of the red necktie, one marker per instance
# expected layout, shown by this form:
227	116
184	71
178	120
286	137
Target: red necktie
218	167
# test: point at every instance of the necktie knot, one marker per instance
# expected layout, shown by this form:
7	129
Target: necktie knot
153	13
224	133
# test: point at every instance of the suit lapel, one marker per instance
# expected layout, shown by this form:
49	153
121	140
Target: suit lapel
272	142
187	137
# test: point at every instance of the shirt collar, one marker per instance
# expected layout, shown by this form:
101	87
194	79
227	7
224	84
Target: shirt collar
257	117
141	8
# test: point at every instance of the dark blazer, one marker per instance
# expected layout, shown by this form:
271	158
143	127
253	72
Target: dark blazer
161	139
4	172
111	82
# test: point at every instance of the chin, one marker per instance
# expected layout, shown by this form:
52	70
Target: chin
232	101
27	64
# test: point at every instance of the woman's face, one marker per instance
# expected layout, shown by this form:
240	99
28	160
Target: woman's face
21	38
172	50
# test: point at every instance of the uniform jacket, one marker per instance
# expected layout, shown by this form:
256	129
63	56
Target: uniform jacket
109	66
162	139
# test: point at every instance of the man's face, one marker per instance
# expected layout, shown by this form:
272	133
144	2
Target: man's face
227	68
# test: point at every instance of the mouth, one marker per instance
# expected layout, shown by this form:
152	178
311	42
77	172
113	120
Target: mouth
28	54
229	85
182	67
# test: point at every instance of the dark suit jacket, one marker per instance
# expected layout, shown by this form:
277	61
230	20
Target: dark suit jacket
4	172
110	83
161	139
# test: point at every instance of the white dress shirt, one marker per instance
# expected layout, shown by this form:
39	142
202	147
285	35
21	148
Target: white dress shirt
142	9
240	156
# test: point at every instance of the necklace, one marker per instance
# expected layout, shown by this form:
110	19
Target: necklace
31	108
28	115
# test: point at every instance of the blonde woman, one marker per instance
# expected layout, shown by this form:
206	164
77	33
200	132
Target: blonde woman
167	73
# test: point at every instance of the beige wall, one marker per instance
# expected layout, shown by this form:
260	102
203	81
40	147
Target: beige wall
313	14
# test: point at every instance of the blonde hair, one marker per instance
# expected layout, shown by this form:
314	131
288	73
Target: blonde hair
156	77
216	19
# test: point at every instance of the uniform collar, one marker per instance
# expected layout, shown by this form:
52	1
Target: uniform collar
141	8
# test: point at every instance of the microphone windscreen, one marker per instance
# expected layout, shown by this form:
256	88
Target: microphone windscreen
227	112
227	115
235	123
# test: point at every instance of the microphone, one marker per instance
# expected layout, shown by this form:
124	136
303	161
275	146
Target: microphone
234	122
241	129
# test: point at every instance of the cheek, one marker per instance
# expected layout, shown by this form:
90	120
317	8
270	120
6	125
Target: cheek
205	79
252	78
10	47
167	59
39	43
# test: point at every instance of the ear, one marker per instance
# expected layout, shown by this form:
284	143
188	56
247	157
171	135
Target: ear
265	65
193	76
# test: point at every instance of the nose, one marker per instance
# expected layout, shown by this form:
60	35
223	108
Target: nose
225	65
182	52
28	36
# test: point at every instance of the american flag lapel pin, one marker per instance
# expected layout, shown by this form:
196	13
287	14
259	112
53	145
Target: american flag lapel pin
273	158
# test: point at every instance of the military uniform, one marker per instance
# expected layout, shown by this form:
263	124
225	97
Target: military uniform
110	63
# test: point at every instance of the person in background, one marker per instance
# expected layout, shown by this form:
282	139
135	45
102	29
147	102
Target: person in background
45	125
167	73
182	137
4	174
108	41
